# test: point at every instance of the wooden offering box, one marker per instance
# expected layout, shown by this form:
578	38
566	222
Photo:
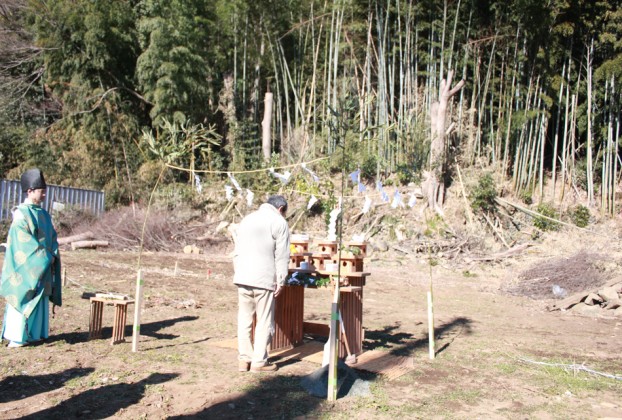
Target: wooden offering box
299	252
299	246
327	247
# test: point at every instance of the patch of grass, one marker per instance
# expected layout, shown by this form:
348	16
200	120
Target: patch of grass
378	402
558	380
435	226
83	381
466	396
468	274
506	368
157	356
151	389
74	383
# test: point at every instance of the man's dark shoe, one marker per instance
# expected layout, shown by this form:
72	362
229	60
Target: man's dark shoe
268	367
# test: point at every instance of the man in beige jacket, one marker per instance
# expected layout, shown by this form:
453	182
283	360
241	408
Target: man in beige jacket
260	262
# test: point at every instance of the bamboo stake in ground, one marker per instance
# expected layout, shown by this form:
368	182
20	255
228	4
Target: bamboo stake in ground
137	309
432	344
333	350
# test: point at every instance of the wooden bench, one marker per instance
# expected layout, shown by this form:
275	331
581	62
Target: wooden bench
120	318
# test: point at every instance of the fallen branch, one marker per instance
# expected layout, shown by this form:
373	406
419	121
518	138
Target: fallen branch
402	250
355	218
376	220
496	231
536	214
501	255
574	367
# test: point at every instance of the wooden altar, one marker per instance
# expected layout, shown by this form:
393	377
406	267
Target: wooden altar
290	325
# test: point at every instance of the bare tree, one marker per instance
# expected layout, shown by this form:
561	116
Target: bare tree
433	186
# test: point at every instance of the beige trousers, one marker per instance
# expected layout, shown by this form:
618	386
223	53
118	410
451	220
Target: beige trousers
258	302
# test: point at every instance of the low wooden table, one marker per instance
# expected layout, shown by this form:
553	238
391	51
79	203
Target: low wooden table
120	318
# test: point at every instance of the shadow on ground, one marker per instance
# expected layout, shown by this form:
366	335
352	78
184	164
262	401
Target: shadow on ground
102	402
150	329
274	396
18	387
404	344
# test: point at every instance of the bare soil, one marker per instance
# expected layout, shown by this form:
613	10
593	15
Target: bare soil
491	335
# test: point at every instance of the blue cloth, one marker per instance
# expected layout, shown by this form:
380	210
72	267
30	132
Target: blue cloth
21	330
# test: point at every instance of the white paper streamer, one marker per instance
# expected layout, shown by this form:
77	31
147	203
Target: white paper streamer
284	177
197	181
367	205
412	200
310	172
358	238
362	188
332	224
397	199
311	202
234	182
229	192
249	197
354	176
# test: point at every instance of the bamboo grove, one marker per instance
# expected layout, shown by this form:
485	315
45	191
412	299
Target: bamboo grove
82	82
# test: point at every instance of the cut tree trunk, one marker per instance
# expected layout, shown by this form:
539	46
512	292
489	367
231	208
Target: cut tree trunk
80	237
266	127
88	244
433	187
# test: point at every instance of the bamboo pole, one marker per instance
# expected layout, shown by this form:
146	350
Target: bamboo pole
431	342
333	339
510	105
563	167
137	310
590	165
556	136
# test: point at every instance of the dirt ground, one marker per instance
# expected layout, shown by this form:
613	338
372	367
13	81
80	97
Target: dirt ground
496	351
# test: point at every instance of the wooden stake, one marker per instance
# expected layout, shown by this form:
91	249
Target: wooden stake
431	325
333	339
137	309
64	278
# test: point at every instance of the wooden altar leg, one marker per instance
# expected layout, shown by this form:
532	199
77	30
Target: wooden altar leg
95	322
120	318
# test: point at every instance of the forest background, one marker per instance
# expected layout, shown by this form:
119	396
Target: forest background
104	94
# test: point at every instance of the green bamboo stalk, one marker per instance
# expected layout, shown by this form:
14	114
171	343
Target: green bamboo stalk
556	136
510	106
590	164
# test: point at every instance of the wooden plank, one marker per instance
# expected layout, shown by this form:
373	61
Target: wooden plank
315	328
384	363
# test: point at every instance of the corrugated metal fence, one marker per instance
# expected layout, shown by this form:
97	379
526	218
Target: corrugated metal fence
11	196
